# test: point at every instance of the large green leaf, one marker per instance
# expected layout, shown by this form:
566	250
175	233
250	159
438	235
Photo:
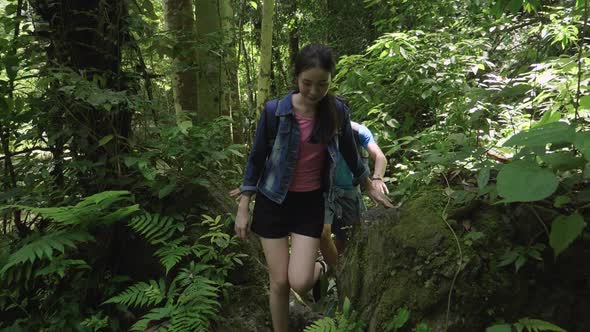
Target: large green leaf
564	230
563	160
525	181
555	132
499	328
549	116
483	178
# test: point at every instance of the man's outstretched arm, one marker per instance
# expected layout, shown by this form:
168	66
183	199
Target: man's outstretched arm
380	164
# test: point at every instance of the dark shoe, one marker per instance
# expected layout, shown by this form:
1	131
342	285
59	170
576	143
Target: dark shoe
317	288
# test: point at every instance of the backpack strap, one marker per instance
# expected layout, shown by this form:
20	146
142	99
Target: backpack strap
272	122
341	107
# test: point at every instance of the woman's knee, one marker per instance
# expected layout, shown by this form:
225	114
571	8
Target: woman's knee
300	283
279	285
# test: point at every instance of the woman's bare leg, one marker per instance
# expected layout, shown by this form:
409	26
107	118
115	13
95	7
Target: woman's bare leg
303	269
276	252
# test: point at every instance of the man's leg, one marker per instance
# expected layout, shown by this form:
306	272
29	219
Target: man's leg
328	248
351	216
340	244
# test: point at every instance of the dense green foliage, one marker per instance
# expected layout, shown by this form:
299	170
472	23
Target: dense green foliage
445	100
488	98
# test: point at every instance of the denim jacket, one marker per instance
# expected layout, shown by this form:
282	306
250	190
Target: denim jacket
271	172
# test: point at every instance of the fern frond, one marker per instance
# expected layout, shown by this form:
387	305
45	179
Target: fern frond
326	324
197	305
60	265
141	294
186	275
18	274
536	325
172	252
154	315
90	209
45	246
194	310
189	319
106	198
154	227
201	290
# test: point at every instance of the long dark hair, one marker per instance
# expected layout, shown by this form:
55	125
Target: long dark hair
320	56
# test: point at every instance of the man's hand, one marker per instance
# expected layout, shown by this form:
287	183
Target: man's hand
375	193
379	198
381	186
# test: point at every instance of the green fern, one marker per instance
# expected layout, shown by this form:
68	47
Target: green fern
187	319
141	294
197	305
60	265
326	324
172	252
18	274
90	210
192	299
155	228
70	227
194	309
201	291
345	321
155	314
536	325
46	246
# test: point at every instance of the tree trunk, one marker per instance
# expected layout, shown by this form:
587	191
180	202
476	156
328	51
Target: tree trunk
293	35
237	114
209	76
10	177
265	54
86	37
180	22
249	114
231	101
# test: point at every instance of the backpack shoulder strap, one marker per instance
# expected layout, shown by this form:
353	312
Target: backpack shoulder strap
272	123
341	102
341	107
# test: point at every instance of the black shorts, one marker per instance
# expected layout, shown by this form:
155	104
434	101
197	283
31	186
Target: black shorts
301	213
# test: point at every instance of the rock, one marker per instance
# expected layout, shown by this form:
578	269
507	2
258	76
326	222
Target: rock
247	310
408	258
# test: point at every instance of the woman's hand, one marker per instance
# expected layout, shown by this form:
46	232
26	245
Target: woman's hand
242	226
235	193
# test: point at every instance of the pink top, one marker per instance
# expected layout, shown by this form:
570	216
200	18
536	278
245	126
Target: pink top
307	176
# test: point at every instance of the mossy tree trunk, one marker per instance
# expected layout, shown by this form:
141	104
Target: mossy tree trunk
209	61
180	22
